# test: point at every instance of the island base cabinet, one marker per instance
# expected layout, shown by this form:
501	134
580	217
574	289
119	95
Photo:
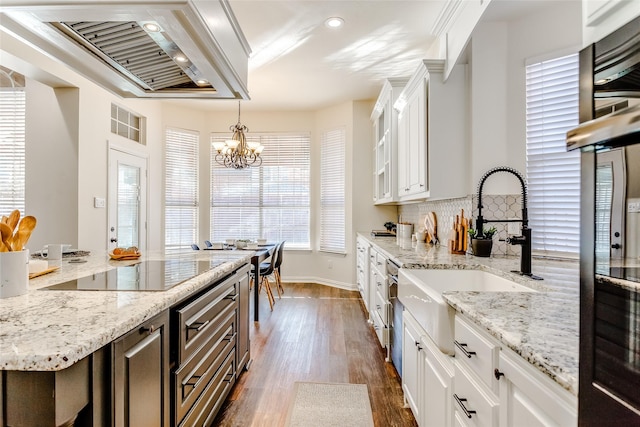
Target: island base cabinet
48	399
141	375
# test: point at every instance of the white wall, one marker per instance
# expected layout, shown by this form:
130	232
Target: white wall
51	196
498	55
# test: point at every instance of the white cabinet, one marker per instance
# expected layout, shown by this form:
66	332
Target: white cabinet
427	379
494	386
412	140
384	119
362	270
527	397
432	134
602	17
379	304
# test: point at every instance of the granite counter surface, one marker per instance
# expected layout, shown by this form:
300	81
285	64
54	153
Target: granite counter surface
51	330
542	326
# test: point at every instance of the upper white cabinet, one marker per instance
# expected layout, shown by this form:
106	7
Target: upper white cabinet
385	131
432	134
601	17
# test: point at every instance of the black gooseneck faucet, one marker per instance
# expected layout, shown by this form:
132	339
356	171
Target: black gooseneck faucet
525	239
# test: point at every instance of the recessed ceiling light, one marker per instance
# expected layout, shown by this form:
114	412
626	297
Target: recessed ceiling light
180	58
151	27
334	22
202	82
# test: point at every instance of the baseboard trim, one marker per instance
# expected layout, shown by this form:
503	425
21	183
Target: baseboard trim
320	281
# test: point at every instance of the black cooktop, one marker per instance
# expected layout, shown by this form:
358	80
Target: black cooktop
142	276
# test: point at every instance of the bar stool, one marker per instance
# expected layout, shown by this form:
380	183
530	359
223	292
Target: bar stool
266	270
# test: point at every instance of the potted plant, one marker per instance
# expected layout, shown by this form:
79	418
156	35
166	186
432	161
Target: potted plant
482	243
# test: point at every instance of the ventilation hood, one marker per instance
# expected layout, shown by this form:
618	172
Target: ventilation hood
158	49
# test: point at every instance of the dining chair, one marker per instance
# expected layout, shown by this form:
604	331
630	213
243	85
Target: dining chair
195	247
276	269
208	244
266	270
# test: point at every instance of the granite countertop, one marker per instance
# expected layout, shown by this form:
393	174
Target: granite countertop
542	326
51	330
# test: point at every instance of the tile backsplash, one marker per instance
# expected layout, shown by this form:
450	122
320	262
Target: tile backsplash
495	207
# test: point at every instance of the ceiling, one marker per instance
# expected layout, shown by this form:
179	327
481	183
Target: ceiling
297	63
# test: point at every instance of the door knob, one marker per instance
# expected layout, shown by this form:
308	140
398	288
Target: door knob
113	240
616	246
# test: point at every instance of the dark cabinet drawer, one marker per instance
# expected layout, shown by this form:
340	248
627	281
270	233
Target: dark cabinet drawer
192	377
212	397
198	319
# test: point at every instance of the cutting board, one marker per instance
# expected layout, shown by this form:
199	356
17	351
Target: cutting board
431	227
40	273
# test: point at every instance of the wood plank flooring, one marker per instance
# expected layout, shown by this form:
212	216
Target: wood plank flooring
315	333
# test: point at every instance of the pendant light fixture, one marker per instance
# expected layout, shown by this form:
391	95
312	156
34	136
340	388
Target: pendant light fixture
236	152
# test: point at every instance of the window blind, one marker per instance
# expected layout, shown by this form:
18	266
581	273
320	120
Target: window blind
181	188
553	174
12	149
332	204
271	201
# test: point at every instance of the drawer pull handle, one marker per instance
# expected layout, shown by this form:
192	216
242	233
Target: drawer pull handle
192	381
198	326
463	349
418	345
461	401
230	337
498	374
147	330
232	297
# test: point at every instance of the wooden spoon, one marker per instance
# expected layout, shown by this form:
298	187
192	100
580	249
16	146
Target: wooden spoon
14	218
26	226
5	235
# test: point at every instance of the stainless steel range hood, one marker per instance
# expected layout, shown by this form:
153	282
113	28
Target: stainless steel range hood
158	49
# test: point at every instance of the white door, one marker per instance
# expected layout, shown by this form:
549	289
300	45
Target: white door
127	224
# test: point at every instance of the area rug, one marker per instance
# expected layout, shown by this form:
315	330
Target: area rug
330	404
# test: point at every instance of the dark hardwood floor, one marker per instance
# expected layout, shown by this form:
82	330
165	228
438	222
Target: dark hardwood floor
315	333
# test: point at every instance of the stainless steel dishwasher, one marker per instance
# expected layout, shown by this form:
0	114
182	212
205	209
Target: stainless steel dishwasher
395	322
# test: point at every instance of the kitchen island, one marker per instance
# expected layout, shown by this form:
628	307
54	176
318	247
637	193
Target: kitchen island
71	347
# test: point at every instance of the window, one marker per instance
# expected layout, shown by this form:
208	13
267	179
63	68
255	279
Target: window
271	201
127	124
181	189
332	171
12	141
553	174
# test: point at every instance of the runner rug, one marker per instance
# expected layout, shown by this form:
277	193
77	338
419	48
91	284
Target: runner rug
330	404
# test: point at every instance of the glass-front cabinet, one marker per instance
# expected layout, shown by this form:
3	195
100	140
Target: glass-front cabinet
385	130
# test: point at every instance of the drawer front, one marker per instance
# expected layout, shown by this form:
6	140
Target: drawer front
191	378
382	331
213	396
472	403
197	320
381	285
382	306
476	352
381	263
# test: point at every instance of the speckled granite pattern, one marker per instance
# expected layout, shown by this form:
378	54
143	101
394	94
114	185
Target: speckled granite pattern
51	330
542	327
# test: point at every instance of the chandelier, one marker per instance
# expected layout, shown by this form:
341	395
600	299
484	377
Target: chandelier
236	152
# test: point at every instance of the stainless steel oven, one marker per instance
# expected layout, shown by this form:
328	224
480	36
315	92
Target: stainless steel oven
609	138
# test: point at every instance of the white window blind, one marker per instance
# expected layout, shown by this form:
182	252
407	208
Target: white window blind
332	205
553	174
181	189
12	144
271	201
